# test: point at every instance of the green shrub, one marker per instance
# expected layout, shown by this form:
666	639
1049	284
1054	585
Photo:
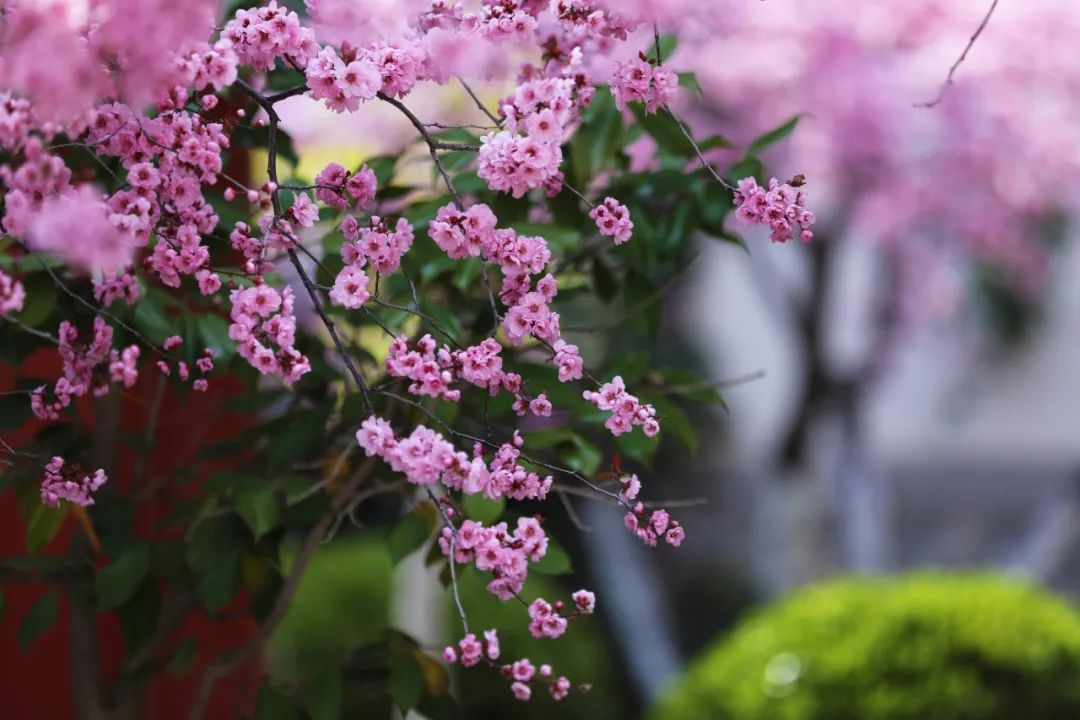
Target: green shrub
926	646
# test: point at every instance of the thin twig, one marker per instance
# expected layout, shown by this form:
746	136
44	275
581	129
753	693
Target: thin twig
267	103
33	331
483	108
697	150
952	70
432	144
452	558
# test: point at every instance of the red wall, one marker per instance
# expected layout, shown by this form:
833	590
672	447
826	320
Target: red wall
38	684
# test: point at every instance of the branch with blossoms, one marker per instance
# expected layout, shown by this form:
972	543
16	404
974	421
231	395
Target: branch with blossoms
129	182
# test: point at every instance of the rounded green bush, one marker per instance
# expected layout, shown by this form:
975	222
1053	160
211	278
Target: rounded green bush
925	646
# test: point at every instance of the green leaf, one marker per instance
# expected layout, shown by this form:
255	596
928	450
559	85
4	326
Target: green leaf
675	422
218	583
41	295
300	434
556	561
713	142
483	510
43	525
150	318
14	411
668	43
773	136
214	331
665	130
258	506
118	581
411	532
39	618
570	447
748	167
323	698
406	682
689	81
272	704
183	658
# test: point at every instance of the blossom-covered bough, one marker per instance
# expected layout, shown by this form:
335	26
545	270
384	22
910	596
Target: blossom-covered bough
127	209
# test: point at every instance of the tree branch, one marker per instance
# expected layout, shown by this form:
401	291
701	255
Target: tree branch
963	56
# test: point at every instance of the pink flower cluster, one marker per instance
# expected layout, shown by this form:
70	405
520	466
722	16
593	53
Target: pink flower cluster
472	233
339	188
119	286
507	20
638	81
431	374
514	163
343	86
204	365
425	457
780	206
78	228
464	233
376	244
81	361
64	56
506	477
166	199
259	36
568	360
264	328
12	294
350	287
401	64
582	19
613	219
66	481
626	410
496	550
473	650
544	620
544	107
650	528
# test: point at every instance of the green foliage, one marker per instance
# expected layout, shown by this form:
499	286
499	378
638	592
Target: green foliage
925	646
583	654
39	618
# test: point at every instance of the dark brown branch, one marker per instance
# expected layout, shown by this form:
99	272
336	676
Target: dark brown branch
483	108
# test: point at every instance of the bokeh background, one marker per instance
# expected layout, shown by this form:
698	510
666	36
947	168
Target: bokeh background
900	393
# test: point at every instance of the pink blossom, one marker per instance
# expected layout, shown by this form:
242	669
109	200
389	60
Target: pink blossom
637	81
585	601
560	687
522	670
65	481
12	294
540	406
781	207
491	644
613	219
516	164
78	228
471	650
350	287
626	410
